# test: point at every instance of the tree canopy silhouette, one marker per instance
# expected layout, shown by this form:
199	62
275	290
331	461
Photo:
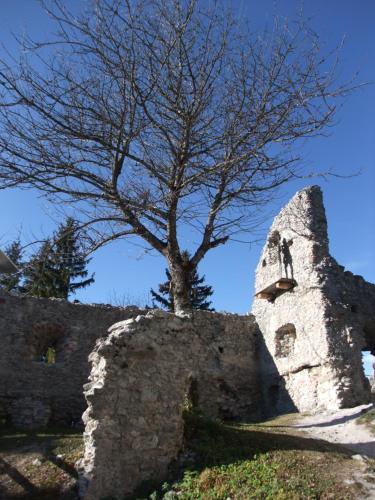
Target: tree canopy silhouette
58	268
12	282
154	118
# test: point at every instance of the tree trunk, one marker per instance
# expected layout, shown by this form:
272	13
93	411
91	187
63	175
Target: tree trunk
180	286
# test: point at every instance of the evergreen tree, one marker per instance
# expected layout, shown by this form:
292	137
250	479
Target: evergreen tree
39	273
164	297
12	282
198	292
53	271
69	261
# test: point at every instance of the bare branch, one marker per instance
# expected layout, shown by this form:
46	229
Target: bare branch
155	118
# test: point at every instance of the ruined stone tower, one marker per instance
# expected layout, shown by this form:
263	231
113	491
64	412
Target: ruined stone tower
315	317
300	350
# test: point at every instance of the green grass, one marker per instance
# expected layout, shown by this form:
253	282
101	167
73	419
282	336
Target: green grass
266	461
368	419
254	462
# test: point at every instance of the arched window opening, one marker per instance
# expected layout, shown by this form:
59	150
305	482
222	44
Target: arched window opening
284	340
368	352
45	342
368	363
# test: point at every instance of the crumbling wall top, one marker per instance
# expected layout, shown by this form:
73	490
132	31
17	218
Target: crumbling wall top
142	374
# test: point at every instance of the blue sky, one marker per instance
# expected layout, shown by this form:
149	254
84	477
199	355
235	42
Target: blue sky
123	269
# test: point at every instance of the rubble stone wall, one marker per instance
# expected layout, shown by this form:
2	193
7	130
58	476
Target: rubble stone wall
32	392
142	374
314	334
303	352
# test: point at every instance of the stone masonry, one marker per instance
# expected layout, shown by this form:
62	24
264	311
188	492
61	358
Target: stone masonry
315	331
300	350
32	392
141	375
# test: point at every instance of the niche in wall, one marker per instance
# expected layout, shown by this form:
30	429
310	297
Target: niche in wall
45	342
274	239
284	340
273	246
190	400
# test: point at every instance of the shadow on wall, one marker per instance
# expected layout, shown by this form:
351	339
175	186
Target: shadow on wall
369	336
236	404
154	365
275	397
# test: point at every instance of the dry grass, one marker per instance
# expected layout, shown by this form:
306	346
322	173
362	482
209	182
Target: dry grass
262	461
368	419
269	460
39	465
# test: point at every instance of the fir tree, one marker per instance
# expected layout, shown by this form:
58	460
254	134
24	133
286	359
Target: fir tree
54	270
198	292
164	297
12	282
69	261
39	273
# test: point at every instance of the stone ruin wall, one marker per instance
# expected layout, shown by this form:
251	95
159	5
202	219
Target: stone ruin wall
141	375
315	332
143	368
34	393
306	358
350	323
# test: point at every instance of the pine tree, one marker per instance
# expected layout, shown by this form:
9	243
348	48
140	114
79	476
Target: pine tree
198	292
11	282
39	273
69	261
164	297
53	271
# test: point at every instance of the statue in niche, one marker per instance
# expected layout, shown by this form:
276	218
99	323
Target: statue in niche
287	258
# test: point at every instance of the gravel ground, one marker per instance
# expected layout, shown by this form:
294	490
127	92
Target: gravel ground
342	428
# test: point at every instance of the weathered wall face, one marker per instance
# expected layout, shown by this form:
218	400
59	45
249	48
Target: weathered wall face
141	374
313	333
315	319
34	393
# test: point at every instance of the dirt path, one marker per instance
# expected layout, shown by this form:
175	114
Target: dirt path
341	427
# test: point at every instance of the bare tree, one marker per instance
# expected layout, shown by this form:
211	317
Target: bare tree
153	116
